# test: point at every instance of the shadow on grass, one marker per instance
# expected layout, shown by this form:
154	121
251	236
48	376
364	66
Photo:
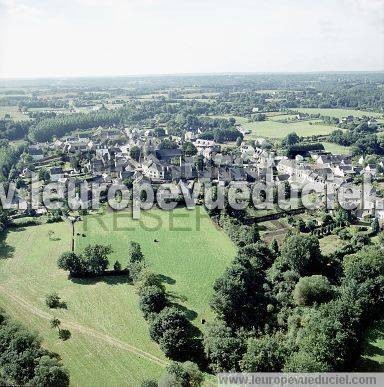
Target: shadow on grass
6	251
165	279
372	349
109	279
189	313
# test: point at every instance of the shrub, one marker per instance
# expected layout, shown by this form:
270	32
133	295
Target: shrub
53	301
313	289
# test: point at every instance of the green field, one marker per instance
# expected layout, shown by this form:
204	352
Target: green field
336	149
273	129
339	113
13	111
110	344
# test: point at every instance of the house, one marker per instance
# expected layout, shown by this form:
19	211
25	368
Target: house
190	136
301	116
96	166
120	163
200	143
370	168
103	153
155	170
80	145
260	141
169	155
36	153
347	119
243	130
56	173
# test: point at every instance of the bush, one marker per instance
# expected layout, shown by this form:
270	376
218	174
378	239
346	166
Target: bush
313	289
149	383
64	334
182	374
53	301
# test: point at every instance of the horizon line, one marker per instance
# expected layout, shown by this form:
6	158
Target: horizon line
147	75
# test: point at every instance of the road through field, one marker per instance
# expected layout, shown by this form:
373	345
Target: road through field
83	329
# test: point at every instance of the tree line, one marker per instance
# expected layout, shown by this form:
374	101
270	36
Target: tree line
23	361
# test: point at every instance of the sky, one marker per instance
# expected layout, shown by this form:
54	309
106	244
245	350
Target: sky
56	38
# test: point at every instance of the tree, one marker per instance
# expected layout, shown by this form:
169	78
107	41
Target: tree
50	373
375	226
135	153
302	253
290	139
172	330
189	149
149	383
96	258
159	132
176	344
265	354
117	266
135	254
239	295
152	300
72	262
274	247
365	271
327	220
64	334
55	323
222	347
148	278
329	339
182	375
53	301
313	289
169	318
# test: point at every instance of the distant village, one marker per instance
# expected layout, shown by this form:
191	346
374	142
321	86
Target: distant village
127	155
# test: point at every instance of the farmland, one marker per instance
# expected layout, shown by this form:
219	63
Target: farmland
14	113
336	148
271	128
103	316
339	113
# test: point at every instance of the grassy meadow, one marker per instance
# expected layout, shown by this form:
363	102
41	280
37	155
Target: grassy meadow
339	113
272	128
13	111
110	343
336	148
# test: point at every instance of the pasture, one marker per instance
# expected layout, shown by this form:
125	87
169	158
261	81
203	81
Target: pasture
110	343
271	128
339	113
14	113
336	148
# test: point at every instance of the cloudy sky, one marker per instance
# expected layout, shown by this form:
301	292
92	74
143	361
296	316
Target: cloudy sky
43	38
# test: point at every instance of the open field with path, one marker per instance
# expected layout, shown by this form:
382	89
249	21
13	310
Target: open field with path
110	343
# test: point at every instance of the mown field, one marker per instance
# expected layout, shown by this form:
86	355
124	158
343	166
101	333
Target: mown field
339	113
110	344
271	128
182	245
336	148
